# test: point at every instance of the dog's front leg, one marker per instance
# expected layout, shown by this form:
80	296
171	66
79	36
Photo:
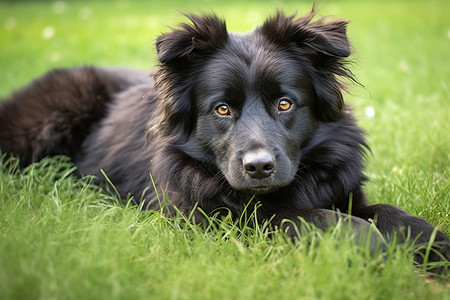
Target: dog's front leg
295	223
394	222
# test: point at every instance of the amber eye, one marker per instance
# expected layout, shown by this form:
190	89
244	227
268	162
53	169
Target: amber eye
284	105
223	110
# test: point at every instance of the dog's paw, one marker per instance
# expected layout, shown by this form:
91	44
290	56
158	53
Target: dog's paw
436	259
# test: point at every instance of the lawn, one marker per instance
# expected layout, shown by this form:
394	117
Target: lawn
64	238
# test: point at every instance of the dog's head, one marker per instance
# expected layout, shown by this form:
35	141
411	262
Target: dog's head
251	102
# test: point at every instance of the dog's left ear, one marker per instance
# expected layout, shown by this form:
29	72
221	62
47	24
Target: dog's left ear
325	47
181	54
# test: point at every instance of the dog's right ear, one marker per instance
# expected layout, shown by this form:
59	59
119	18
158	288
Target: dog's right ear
206	34
181	53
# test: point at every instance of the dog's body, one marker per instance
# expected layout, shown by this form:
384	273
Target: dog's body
228	118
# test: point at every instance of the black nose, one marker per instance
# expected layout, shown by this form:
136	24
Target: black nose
259	164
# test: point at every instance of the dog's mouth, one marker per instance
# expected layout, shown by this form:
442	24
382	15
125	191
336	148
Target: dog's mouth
262	189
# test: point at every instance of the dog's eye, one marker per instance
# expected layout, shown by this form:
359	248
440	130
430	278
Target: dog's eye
223	110
284	105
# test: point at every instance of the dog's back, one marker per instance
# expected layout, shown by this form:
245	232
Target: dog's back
55	113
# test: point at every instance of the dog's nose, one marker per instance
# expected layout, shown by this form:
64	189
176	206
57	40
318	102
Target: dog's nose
259	164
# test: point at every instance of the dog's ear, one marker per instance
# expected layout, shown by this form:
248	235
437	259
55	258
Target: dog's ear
206	34
181	54
325	47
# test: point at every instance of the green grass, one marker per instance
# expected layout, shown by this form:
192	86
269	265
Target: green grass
62	238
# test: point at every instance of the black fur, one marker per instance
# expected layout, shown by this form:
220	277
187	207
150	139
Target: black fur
285	136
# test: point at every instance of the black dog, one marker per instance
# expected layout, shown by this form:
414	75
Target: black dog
228	117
